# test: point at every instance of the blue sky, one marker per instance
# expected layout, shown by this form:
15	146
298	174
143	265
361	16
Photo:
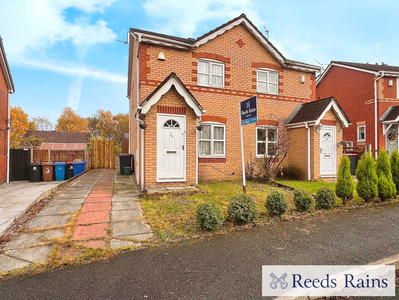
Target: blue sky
64	52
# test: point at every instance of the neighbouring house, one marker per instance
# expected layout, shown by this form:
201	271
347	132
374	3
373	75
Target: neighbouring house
369	94
58	145
184	107
6	88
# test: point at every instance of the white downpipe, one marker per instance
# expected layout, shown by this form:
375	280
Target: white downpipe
142	160
375	113
308	128
196	155
8	142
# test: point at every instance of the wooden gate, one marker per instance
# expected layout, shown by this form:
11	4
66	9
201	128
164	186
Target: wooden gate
19	164
102	154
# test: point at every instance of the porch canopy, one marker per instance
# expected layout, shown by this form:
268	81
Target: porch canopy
389	118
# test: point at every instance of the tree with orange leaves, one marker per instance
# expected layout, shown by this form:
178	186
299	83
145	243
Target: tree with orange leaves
19	125
71	121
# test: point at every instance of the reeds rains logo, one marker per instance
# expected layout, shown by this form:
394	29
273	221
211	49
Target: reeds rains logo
323	280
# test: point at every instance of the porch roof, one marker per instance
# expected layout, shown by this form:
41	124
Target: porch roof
313	112
390	115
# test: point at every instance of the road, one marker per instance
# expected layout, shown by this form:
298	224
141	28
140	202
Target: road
221	267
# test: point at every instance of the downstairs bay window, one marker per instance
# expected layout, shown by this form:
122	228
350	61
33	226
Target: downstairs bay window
212	140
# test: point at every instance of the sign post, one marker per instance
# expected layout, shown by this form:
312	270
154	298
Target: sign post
248	115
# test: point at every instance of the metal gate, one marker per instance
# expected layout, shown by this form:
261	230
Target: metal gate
19	164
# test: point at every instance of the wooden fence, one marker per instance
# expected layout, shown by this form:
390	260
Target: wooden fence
102	154
39	156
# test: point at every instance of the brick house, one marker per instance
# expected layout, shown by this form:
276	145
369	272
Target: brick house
184	106
6	88
369	94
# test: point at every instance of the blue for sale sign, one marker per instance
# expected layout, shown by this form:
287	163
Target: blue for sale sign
248	111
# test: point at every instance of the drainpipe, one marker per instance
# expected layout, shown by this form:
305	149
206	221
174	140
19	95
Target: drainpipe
375	113
8	137
142	160
308	128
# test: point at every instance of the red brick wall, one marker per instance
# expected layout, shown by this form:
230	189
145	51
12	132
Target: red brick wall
4	98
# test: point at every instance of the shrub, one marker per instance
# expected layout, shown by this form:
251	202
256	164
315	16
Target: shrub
276	203
325	198
395	168
386	186
242	209
367	185
345	185
303	200
209	216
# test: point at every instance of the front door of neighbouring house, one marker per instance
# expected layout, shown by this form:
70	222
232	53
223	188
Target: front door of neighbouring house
171	147
328	149
392	138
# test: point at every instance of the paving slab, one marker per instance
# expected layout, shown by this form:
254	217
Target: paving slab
90	231
129	204
49	221
50	234
119	198
115	243
125	215
126	229
23	241
96	206
54	209
35	254
93	217
10	263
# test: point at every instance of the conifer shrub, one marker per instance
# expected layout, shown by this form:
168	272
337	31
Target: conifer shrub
303	200
395	168
367	185
276	203
386	186
345	185
209	216
325	198
242	209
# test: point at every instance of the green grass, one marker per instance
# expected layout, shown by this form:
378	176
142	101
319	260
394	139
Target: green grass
310	186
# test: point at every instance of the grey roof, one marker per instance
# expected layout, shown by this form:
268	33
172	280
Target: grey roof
369	67
6	68
61	136
311	111
391	115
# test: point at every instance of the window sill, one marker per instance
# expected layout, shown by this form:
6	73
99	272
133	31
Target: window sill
264	93
212	87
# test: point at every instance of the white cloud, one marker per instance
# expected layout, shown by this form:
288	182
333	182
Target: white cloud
74	70
185	19
74	93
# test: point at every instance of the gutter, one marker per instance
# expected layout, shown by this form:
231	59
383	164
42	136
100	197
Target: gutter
375	113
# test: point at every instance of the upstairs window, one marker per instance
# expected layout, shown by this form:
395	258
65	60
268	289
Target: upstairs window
267	81
266	141
361	133
212	140
210	73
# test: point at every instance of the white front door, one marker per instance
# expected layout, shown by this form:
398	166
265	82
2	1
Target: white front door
328	151
171	147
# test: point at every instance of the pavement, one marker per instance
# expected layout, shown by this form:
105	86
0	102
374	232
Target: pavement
99	209
221	267
17	197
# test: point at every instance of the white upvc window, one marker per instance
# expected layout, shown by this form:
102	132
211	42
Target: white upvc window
212	140
210	73
361	133
397	87
266	141
267	81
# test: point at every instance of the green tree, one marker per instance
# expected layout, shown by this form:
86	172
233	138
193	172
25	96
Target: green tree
367	185
395	168
386	186
345	185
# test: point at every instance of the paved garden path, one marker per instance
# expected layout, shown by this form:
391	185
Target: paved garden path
100	209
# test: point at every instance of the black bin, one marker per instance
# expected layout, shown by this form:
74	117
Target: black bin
69	170
125	160
35	172
353	161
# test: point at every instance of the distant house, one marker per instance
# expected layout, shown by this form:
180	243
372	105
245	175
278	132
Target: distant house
184	107
6	88
59	140
369	94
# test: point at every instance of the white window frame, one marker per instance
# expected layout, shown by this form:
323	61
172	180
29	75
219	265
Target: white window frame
266	142
211	63
349	144
397	87
213	140
358	133
267	72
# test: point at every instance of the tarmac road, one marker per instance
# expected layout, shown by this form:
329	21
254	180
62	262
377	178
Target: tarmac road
223	267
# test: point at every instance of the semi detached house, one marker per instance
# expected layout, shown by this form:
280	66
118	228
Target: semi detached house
184	107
